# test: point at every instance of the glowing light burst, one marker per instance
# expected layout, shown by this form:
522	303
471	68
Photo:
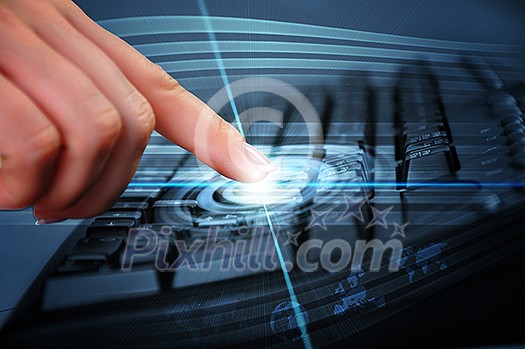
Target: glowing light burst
277	188
301	321
273	187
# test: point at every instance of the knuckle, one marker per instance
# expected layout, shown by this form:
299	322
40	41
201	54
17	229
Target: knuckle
223	126
143	113
142	117
42	145
104	129
163	80
107	124
35	155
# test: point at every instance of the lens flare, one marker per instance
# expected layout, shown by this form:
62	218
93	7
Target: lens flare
281	186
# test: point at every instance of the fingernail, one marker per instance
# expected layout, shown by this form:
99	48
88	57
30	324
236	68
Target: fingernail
48	221
258	159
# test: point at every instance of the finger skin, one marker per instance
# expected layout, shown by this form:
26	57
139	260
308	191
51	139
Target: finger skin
29	145
88	123
104	98
177	111
137	115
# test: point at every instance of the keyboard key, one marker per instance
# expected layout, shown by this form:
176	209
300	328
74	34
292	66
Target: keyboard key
101	249
102	228
510	119
517	148
144	172
141	242
428	164
503	112
424	136
513	127
65	291
426	144
127	215
130	206
136	193
434	208
419	112
501	103
516	137
139	178
518	161
75	267
231	220
173	203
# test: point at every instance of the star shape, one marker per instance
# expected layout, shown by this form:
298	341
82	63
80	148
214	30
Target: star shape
353	208
292	238
318	219
399	230
379	217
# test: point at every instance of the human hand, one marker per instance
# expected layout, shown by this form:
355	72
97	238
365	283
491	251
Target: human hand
78	105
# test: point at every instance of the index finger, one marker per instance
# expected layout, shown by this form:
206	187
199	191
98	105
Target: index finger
180	116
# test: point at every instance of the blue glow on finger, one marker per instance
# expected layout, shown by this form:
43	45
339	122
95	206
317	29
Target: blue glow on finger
220	63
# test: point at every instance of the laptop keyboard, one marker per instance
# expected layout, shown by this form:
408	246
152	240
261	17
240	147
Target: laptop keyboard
442	174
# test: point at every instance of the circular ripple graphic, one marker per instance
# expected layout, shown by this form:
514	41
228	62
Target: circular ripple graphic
289	191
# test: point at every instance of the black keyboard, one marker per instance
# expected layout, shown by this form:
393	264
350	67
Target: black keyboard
436	176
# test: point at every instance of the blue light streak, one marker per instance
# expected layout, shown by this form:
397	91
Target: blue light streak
339	184
300	320
220	63
299	316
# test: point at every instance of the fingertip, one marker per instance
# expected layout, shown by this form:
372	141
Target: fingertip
244	164
257	158
249	176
